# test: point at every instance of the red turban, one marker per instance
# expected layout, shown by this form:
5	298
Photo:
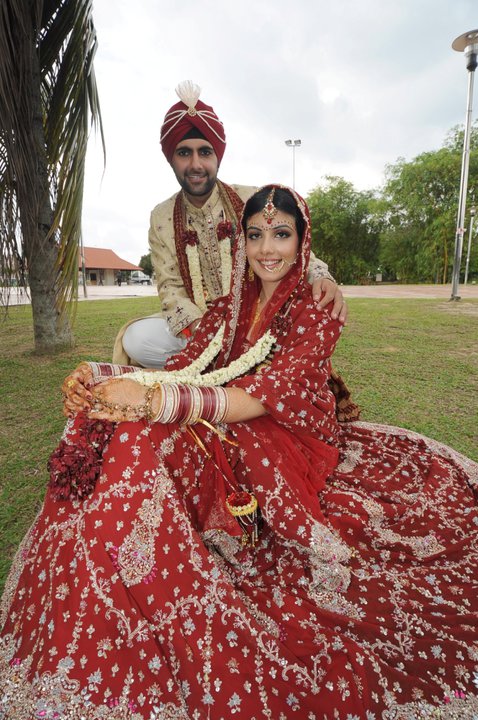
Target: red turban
191	113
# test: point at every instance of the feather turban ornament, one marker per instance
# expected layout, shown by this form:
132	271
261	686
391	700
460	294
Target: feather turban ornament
189	114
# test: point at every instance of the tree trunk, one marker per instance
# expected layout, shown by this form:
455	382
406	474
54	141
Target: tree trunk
52	331
51	327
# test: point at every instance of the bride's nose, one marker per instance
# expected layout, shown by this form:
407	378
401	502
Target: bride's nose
267	245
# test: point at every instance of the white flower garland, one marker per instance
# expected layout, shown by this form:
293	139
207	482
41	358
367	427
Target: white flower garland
191	374
192	255
226	264
194	266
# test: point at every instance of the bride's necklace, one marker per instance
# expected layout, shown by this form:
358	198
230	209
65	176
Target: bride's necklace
258	308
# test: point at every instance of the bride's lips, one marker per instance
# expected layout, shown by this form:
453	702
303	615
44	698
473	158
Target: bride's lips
269	264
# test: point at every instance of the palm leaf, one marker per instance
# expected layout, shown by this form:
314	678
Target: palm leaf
43	136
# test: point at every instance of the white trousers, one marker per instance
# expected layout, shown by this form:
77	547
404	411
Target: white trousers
149	342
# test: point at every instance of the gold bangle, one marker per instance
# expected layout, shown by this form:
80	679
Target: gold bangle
155	416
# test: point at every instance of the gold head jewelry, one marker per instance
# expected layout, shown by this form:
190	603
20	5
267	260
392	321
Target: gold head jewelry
281	224
270	211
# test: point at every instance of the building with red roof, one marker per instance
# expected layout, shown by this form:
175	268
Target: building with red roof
102	267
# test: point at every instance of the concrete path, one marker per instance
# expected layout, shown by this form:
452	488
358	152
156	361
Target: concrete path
107	292
466	292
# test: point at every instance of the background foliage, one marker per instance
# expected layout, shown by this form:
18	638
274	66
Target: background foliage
404	230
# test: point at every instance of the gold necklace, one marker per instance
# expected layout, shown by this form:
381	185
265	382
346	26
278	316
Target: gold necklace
257	312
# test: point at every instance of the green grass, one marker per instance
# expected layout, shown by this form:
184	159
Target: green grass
408	362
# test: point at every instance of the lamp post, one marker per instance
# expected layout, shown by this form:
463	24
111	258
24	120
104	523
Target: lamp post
470	235
467	43
293	144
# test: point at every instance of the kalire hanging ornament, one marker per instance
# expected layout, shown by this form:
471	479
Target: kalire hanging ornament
244	507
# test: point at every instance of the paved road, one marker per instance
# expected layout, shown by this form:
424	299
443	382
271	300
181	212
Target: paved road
350	291
408	291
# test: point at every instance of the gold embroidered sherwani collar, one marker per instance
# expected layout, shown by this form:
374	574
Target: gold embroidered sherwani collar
212	204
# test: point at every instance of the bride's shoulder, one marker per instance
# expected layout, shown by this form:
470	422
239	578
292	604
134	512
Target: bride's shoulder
305	310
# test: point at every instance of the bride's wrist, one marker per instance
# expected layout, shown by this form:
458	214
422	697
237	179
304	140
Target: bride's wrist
153	402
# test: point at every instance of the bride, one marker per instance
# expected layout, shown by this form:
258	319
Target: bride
213	544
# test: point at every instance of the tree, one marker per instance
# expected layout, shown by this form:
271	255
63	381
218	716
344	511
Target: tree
345	229
421	203
146	264
48	98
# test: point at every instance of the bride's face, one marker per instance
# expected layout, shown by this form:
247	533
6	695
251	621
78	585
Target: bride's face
271	249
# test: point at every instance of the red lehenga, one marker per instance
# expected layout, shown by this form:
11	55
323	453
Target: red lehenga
359	600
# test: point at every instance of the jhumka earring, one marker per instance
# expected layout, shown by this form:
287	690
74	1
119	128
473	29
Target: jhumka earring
270	211
250	274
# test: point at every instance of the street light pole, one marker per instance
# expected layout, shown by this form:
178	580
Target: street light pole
472	217
467	43
293	144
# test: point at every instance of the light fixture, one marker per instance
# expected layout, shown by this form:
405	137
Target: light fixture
293	144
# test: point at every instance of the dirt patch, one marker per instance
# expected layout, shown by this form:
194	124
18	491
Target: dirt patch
459	308
469	352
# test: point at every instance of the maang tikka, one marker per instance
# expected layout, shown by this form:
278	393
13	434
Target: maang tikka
270	211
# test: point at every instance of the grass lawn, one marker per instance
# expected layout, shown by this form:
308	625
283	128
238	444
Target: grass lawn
412	363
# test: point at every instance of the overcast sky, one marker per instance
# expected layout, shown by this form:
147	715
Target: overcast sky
359	83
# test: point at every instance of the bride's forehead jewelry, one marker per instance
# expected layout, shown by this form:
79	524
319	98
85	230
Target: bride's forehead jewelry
270	210
271	227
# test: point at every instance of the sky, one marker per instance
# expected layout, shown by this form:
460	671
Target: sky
361	84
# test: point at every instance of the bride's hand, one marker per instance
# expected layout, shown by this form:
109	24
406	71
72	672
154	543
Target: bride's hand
76	390
118	400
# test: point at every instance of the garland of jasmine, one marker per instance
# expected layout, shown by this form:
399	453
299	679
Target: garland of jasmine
199	298
225	232
191	374
226	263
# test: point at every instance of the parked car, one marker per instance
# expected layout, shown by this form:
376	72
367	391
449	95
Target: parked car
140	278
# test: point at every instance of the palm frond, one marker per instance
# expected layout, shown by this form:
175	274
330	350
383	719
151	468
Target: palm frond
48	105
67	48
17	21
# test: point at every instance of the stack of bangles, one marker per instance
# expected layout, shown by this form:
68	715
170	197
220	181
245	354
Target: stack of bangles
187	404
